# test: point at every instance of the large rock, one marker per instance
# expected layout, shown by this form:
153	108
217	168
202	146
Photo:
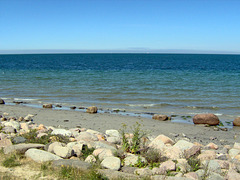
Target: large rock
2	101
103	153
113	132
183	145
145	172
21	148
9	129
160	117
14	124
64	152
168	166
132	159
62	132
236	121
209	119
157	144
207	155
72	163
192	151
40	156
111	174
92	109
113	163
5	143
165	139
86	136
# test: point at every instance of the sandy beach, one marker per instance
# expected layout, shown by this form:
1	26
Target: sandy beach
104	121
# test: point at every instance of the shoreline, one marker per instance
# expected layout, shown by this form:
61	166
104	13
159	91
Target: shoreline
177	116
104	121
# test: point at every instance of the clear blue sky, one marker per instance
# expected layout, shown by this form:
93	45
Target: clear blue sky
144	25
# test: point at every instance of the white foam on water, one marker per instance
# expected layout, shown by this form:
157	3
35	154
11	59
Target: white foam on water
23	99
141	105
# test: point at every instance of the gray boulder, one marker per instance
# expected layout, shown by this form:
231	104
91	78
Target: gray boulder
21	148
113	163
40	156
72	163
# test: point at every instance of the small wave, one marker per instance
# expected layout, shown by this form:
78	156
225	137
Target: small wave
141	105
23	99
203	107
217	114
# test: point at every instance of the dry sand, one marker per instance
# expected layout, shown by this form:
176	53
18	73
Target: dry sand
103	121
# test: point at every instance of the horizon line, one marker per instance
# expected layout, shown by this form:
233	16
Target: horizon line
114	51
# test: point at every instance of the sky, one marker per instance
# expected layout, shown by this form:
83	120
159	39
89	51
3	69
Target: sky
120	26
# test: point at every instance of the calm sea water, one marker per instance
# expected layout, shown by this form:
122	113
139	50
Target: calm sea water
182	84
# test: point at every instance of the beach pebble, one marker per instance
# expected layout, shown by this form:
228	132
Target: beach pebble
160	117
2	101
92	109
47	106
209	119
236	121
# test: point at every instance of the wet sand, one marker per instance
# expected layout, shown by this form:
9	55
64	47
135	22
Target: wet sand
103	121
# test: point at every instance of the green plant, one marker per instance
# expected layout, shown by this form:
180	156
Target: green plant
11	161
154	158
194	163
136	141
140	163
220	123
86	151
125	143
31	137
169	173
70	173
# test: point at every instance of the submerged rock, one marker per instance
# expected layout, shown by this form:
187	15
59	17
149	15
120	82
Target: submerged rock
209	119
160	117
47	106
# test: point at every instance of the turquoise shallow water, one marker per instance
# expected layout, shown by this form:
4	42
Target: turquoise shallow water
183	84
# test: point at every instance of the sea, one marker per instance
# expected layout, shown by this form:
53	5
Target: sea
178	85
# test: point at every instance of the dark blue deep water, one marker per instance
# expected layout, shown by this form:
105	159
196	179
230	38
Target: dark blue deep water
161	83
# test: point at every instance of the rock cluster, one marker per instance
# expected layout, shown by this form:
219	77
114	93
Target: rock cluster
159	157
